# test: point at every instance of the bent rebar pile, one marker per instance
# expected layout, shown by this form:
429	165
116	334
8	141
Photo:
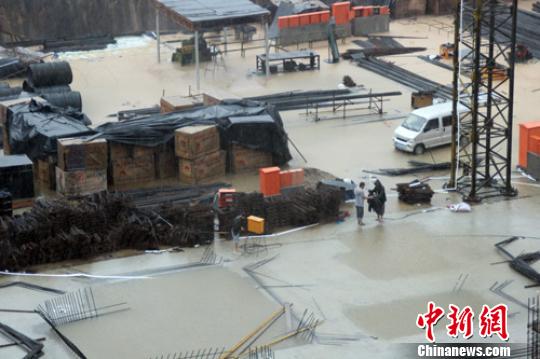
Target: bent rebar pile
74	306
300	208
58	230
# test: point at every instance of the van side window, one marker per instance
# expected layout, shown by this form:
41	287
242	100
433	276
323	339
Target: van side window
432	125
447	121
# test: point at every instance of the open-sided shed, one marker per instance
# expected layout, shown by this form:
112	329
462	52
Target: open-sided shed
203	15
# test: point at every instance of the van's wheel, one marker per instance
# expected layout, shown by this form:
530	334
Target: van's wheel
419	149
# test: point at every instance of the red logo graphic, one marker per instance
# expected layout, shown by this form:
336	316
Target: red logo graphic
429	320
490	322
460	321
493	321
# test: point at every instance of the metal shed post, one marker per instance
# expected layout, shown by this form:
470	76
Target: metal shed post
197	64
158	37
266	50
225	39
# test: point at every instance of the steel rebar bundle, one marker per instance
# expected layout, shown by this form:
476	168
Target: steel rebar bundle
327	98
74	306
404	77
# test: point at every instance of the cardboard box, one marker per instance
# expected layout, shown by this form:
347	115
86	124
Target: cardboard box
202	168
177	103
194	141
77	153
166	163
132	170
121	151
214	97
244	159
80	182
45	172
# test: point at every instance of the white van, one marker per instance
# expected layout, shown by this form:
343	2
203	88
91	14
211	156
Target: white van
426	127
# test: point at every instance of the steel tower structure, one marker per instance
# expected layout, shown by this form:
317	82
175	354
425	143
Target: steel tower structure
483	98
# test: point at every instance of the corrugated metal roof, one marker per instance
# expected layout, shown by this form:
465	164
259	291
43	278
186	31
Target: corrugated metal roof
199	11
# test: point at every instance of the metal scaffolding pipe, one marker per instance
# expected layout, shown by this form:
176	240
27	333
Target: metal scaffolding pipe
158	37
197	63
266	50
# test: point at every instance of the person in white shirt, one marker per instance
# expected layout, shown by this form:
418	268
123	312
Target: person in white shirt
359	200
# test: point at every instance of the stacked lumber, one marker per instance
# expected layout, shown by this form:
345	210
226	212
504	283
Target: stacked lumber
82	166
199	154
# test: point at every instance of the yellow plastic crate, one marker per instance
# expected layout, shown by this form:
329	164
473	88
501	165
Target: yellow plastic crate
255	225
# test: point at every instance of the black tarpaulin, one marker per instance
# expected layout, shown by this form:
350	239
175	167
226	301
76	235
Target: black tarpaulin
34	127
247	127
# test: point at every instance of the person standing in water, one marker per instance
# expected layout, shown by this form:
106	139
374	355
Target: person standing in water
359	200
379	194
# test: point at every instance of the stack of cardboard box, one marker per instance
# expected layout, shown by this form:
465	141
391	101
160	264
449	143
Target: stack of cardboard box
130	165
45	172
199	154
178	103
244	159
82	166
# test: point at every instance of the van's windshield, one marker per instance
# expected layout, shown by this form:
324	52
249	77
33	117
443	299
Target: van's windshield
414	123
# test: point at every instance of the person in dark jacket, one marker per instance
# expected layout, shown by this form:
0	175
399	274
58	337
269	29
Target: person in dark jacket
236	228
378	200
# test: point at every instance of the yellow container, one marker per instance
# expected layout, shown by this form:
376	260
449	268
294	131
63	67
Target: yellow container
255	225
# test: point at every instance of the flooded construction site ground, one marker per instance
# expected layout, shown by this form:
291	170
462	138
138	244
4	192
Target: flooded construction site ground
364	285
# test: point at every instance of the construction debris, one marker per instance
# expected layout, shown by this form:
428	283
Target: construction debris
56	230
417	167
436	60
523	262
415	192
72	307
33	348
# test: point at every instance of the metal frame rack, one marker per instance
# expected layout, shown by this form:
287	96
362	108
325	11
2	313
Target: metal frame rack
283	57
